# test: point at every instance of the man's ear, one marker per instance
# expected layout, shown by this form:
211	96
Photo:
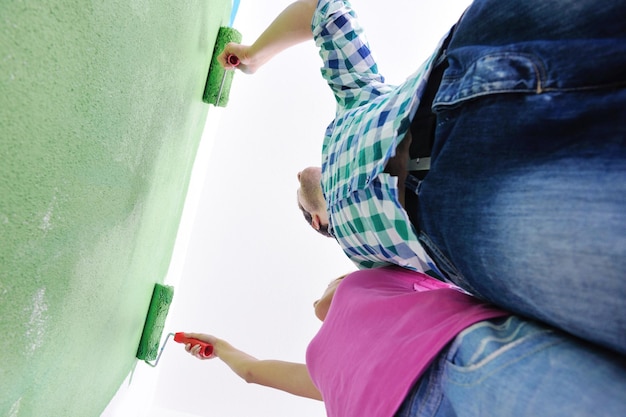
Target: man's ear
316	222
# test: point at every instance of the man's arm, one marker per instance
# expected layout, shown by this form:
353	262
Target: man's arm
290	377
291	27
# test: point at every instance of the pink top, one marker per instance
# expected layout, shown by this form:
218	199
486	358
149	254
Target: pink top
383	329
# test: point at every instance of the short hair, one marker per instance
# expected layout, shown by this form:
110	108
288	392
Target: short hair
323	230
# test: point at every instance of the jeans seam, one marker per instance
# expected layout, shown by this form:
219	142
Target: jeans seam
455	103
451	272
433	387
424	400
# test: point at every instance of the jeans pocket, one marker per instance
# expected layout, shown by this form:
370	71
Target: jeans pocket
476	72
491	346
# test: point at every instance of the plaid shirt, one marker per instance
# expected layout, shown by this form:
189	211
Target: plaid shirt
372	117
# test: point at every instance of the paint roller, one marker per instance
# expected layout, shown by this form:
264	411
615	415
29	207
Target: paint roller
162	297
219	80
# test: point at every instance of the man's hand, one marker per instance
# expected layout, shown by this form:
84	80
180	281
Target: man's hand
291	27
246	64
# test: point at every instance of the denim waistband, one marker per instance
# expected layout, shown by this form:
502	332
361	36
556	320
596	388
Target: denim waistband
532	67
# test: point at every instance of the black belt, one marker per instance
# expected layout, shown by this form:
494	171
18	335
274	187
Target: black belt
423	123
423	135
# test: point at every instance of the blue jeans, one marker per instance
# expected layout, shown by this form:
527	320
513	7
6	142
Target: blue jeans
514	367
525	201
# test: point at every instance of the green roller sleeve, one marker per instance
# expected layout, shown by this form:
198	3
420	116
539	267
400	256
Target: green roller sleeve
218	77
155	322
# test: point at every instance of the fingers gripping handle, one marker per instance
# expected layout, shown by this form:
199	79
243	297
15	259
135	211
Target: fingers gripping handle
206	348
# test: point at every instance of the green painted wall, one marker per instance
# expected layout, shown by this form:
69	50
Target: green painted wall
100	119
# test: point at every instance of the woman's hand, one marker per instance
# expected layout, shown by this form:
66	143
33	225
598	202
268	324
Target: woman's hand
195	349
286	376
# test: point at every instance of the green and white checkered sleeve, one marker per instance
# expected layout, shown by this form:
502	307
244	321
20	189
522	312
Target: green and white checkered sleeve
348	65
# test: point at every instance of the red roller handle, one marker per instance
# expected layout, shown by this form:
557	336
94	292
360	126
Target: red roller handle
232	60
206	348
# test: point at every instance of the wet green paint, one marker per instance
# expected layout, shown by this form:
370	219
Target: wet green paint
101	114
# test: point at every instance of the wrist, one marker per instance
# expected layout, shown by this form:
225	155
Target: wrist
258	55
221	347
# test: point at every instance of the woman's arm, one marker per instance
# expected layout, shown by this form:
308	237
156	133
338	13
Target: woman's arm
291	27
286	376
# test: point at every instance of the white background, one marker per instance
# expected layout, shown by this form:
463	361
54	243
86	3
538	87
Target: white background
246	266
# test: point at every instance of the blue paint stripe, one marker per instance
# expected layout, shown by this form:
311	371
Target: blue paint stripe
233	12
